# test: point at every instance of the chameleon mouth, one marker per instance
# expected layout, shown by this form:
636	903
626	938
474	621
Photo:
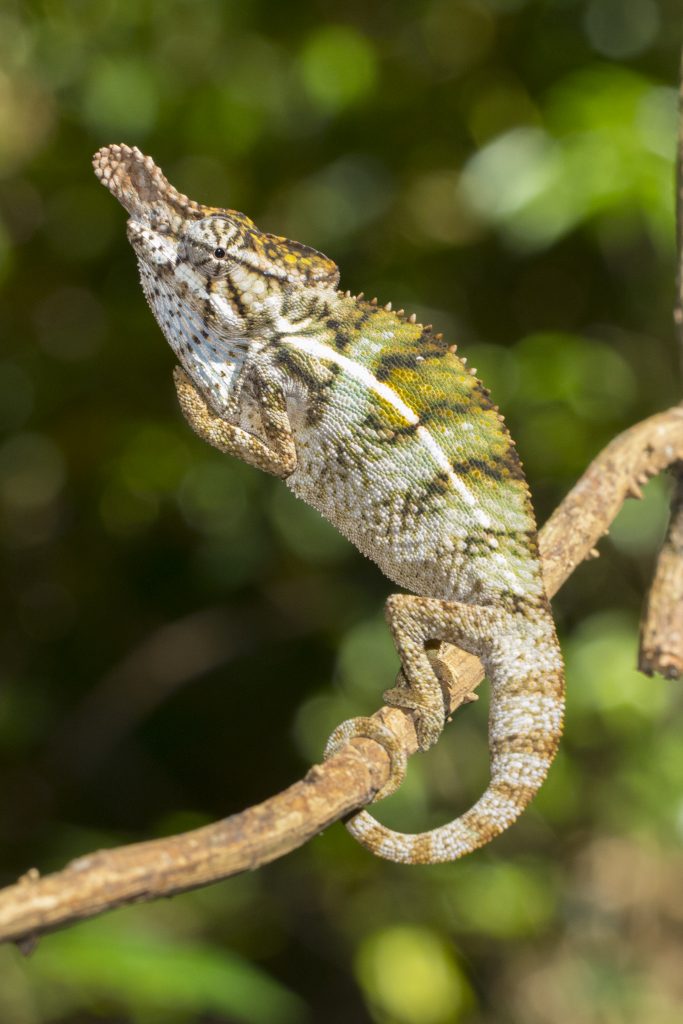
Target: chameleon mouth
151	245
143	190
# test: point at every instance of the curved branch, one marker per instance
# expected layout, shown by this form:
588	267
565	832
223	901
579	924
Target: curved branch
162	867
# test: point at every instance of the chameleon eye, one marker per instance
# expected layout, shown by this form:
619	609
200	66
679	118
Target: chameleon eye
219	253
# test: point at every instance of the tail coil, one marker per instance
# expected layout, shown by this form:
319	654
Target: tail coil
525	724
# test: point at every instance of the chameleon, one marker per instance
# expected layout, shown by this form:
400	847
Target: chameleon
377	422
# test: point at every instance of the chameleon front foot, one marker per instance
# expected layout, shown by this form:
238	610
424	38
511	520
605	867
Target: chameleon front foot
371	729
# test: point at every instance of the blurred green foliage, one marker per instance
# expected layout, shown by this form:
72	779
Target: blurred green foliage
179	635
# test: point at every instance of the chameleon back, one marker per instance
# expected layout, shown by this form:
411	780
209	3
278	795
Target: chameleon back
430	486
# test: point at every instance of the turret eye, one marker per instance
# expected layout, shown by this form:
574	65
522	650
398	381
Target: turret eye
219	253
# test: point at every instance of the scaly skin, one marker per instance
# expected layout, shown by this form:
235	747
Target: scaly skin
376	422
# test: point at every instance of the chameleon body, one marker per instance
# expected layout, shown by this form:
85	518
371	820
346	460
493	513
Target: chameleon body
377	423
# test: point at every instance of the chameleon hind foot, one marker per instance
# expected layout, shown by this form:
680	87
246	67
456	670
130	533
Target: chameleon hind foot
419	688
428	717
422	627
372	729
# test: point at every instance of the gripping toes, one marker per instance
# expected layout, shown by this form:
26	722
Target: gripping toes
522	659
418	688
414	622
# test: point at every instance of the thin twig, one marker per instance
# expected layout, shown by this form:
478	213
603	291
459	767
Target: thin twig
145	871
661	630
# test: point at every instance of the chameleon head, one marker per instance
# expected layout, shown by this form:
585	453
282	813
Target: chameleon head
169	231
216	284
160	216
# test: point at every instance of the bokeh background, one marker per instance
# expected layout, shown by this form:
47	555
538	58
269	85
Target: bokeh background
179	635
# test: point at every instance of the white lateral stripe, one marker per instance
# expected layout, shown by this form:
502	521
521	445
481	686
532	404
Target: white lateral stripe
442	462
361	373
392	398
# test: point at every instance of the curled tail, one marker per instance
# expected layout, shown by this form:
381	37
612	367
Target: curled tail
525	723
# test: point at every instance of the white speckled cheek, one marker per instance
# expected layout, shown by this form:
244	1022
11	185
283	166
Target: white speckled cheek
150	246
225	313
214	363
185	274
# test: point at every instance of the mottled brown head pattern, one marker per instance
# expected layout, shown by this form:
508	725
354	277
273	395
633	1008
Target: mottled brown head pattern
217	285
166	228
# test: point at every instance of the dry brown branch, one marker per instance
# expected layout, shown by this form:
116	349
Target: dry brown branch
144	871
661	632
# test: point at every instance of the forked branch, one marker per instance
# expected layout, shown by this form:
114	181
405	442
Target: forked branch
107	879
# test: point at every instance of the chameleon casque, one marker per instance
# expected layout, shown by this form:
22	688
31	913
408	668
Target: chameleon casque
375	421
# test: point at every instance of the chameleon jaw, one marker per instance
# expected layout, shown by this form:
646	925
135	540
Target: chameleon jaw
151	244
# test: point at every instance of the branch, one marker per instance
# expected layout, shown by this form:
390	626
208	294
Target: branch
145	871
661	631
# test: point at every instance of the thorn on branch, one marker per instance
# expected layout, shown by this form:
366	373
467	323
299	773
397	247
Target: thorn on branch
27	945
